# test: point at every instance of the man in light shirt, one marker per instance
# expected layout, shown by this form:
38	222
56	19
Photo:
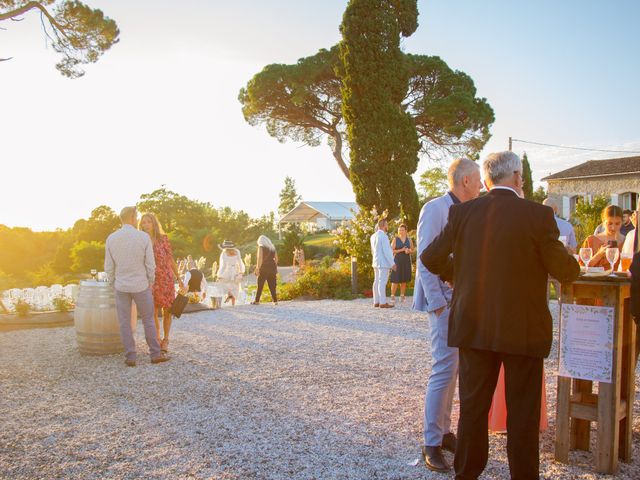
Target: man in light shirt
382	263
130	267
566	229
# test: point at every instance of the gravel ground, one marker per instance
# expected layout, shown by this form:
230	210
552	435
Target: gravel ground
302	390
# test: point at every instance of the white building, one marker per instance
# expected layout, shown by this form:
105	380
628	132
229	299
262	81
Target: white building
313	216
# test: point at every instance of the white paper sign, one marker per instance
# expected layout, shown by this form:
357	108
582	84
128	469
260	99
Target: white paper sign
586	342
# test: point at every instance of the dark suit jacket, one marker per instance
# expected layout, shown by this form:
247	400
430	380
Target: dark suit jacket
504	248
635	287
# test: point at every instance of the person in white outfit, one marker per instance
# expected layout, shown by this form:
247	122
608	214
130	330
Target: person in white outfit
231	270
382	264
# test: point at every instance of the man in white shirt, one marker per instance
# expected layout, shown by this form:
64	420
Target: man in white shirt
382	263
131	268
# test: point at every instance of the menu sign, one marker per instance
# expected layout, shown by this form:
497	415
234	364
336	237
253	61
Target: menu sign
586	342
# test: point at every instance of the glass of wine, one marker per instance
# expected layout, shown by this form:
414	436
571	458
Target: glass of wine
625	260
585	256
612	256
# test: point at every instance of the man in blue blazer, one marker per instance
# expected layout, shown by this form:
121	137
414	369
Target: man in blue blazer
433	296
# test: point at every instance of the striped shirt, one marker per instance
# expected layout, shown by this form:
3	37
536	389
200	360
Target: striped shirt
128	260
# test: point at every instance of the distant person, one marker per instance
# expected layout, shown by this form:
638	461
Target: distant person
231	270
402	247
627	225
567	233
131	268
194	282
432	295
164	291
382	263
612	221
298	259
266	268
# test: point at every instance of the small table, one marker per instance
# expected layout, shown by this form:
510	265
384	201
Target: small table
612	407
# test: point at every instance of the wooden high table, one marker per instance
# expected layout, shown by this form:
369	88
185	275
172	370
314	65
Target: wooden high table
612	406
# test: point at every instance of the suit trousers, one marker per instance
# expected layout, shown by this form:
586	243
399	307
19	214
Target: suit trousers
144	304
441	386
380	279
479	370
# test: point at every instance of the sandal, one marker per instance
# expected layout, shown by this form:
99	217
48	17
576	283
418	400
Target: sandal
402	298
164	345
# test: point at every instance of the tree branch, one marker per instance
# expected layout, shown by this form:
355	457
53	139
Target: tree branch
10	15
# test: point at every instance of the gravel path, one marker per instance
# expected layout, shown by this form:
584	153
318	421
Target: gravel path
304	390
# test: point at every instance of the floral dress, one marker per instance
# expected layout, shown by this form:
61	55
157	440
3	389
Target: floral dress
163	288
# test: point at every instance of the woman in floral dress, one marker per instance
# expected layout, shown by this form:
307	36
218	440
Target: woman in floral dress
166	272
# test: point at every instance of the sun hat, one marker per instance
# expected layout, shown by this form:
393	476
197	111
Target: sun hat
227	244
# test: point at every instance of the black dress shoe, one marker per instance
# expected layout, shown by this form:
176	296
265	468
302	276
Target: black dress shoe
434	460
449	442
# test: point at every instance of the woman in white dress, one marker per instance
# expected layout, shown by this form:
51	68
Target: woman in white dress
231	270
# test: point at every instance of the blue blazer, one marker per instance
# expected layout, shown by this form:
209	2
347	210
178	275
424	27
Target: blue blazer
430	293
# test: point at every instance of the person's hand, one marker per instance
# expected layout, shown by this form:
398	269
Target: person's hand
439	311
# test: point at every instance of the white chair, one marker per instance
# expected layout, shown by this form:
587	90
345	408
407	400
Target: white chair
42	297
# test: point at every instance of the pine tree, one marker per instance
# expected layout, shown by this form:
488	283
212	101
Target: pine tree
289	198
527	178
375	77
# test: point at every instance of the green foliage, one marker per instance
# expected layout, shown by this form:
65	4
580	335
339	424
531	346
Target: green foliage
25	251
539	195
86	256
433	183
587	217
46	275
102	222
292	239
77	32
527	178
375	77
6	281
318	281
22	308
289	198
62	303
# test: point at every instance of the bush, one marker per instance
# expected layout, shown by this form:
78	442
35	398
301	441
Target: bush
321	280
62	303
292	239
22	308
587	217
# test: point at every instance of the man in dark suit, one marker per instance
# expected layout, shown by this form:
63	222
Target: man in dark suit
635	288
504	248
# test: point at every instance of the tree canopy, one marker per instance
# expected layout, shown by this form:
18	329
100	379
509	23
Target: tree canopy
289	198
527	178
79	33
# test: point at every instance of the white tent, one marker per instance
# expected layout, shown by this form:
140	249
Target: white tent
321	215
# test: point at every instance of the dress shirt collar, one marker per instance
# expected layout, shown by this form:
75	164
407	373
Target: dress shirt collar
455	199
127	226
502	187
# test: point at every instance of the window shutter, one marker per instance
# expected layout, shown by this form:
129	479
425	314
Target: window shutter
566	207
614	199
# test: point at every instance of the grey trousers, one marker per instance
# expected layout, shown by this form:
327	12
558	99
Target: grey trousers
144	303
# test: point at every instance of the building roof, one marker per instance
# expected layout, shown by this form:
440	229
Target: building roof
599	168
310	211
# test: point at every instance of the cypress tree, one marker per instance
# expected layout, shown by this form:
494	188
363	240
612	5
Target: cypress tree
375	76
527	177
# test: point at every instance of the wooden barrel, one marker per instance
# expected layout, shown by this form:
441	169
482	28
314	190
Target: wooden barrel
96	321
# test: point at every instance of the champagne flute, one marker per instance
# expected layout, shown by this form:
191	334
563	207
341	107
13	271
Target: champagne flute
612	256
585	256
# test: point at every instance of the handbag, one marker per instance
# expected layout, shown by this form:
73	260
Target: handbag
178	305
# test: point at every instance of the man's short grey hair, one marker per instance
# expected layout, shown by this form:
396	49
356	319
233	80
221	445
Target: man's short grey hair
501	165
126	213
460	168
550	202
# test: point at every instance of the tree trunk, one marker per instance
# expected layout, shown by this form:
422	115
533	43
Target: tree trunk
337	154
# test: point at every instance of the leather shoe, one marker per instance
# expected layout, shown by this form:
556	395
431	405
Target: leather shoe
386	305
376	305
434	460
130	363
161	358
449	442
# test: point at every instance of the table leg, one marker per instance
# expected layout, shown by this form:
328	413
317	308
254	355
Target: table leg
627	382
608	429
581	429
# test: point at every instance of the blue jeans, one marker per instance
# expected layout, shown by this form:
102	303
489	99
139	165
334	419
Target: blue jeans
441	385
144	303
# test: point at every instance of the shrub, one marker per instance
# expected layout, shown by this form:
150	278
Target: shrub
62	303
22	308
322	280
587	217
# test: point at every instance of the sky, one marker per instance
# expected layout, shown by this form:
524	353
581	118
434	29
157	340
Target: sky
161	108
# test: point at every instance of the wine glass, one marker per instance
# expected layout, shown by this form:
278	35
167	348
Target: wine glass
94	272
612	256
585	256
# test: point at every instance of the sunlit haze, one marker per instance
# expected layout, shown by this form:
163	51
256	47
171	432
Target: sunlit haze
161	106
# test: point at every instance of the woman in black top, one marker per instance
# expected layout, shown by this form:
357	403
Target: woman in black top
402	247
266	268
